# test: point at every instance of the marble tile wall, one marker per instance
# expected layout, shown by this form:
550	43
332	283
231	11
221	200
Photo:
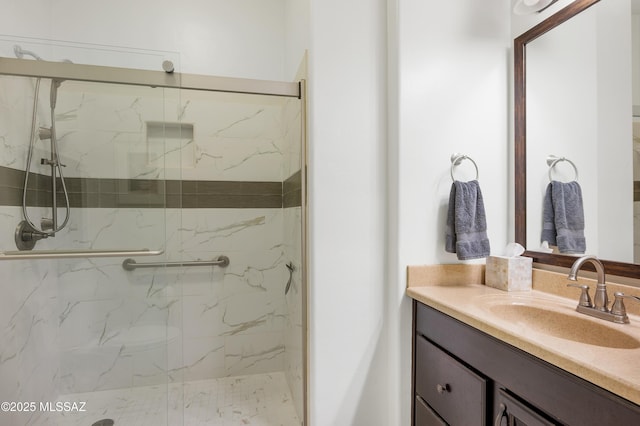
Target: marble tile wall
29	333
232	318
102	131
86	324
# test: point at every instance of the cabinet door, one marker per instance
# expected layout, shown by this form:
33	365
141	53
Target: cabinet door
515	413
425	416
455	392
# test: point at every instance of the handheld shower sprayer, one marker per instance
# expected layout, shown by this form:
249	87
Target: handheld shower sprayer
53	95
27	233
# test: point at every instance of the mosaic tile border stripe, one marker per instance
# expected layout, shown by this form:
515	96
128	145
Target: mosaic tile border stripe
148	193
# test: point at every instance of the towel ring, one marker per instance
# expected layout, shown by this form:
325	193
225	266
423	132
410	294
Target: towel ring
552	160
457	158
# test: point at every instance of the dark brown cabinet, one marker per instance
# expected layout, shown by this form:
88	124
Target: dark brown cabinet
446	385
513	412
464	377
425	416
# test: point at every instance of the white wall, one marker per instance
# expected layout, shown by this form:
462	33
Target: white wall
635	56
522	23
452	96
448	64
296	40
239	38
347	119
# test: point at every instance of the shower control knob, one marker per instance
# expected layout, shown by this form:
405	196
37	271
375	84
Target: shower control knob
46	223
44	133
47	162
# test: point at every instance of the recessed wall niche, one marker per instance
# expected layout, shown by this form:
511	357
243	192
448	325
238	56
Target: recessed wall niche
171	144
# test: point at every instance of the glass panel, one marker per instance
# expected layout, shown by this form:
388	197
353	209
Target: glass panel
83	339
242	340
88	54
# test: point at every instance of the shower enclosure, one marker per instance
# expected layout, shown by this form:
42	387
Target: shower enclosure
175	294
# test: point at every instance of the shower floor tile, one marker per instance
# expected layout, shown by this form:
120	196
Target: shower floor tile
260	399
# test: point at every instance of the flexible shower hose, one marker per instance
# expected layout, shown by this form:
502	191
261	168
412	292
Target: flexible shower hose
55	159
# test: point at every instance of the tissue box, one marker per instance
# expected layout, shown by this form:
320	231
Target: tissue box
509	273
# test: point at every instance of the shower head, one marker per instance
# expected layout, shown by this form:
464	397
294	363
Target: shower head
55	82
20	52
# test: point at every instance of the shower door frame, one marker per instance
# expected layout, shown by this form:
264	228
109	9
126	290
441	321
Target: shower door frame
137	77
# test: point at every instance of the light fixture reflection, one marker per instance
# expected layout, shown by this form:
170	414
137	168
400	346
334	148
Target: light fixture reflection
526	7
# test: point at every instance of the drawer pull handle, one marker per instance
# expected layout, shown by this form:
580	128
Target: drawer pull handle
443	388
502	414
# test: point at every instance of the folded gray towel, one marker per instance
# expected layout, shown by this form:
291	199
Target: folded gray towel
563	217
466	232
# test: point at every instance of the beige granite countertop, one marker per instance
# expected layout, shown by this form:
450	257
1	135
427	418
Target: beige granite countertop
459	291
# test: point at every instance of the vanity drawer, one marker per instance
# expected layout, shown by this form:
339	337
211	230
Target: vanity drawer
456	393
425	416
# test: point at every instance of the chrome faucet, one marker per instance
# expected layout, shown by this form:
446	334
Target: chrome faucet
599	307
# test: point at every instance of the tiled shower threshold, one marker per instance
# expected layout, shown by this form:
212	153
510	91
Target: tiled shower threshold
259	399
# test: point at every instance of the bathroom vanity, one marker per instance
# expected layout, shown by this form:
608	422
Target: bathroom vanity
472	369
463	376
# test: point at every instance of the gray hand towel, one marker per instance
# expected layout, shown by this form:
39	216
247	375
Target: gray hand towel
466	233
548	218
563	217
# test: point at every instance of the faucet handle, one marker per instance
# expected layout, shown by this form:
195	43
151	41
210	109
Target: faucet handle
618	307
630	296
585	299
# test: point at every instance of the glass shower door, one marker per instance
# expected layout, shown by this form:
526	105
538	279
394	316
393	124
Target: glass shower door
85	340
241	197
115	334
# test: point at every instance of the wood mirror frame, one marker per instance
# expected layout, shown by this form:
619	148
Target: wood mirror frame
520	127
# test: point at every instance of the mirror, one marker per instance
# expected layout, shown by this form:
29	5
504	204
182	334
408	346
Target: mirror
573	99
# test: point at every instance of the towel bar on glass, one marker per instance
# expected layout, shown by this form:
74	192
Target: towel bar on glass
74	254
552	160
456	159
130	264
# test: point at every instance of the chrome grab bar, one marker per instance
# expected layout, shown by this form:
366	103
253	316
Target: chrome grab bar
74	254
130	264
